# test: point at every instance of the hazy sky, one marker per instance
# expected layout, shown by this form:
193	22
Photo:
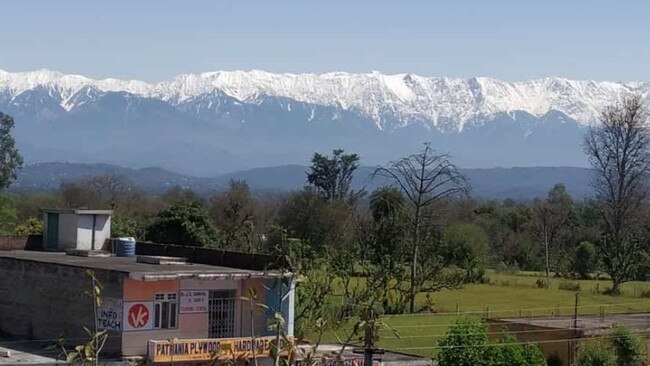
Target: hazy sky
155	40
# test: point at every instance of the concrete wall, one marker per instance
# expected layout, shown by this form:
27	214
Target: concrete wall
562	350
191	326
135	342
67	231
85	231
40	301
29	242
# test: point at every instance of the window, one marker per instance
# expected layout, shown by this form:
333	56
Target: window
165	311
221	316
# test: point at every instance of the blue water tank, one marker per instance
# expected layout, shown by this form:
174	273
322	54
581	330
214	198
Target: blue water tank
125	247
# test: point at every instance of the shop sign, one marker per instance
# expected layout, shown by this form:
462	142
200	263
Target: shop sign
138	315
182	350
350	361
193	301
109	315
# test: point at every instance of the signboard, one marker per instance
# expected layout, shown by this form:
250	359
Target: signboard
350	361
207	349
138	315
193	301
109	315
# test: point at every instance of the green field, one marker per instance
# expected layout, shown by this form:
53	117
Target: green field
505	296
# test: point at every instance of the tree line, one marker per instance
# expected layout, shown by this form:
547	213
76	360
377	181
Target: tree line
420	233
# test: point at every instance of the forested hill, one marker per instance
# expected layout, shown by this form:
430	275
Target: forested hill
516	183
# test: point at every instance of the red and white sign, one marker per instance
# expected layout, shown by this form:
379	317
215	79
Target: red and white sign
193	301
138	316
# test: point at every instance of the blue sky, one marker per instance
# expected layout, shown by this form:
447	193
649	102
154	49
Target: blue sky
155	40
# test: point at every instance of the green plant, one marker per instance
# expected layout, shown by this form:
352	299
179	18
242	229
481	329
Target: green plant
569	286
32	226
644	294
540	283
467	344
629	348
596	353
87	354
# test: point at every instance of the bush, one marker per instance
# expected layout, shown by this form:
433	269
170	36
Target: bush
467	344
596	353
32	226
457	345
570	286
629	348
540	283
504	268
623	349
644	294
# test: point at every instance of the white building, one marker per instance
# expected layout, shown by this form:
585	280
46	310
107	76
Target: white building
75	229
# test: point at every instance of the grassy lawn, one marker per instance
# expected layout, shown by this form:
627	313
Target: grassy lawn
505	296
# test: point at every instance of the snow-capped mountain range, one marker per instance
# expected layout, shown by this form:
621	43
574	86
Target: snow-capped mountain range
227	120
408	96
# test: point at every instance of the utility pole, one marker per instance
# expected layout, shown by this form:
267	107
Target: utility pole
574	344
368	345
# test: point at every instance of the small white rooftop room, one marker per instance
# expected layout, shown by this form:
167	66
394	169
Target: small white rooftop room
65	229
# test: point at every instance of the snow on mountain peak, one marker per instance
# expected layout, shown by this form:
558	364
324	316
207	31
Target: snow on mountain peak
389	100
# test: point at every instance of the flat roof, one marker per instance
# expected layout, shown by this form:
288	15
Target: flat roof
136	270
25	358
76	211
587	323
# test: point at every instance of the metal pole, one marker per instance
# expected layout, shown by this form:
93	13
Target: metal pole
574	343
368	346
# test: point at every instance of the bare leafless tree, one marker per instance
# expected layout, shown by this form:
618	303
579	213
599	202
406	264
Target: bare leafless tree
425	178
618	154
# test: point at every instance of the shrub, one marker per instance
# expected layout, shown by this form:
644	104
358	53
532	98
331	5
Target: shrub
644	294
504	268
457	345
570	286
596	353
32	226
467	344
629	348
540	283
623	349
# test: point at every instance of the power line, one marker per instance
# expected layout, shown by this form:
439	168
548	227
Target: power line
483	311
505	331
512	343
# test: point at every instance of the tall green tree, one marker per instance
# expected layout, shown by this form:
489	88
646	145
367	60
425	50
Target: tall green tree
466	245
618	154
183	223
234	214
10	159
586	260
332	175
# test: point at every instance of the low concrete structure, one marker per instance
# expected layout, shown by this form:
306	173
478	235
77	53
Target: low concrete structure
559	338
197	305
